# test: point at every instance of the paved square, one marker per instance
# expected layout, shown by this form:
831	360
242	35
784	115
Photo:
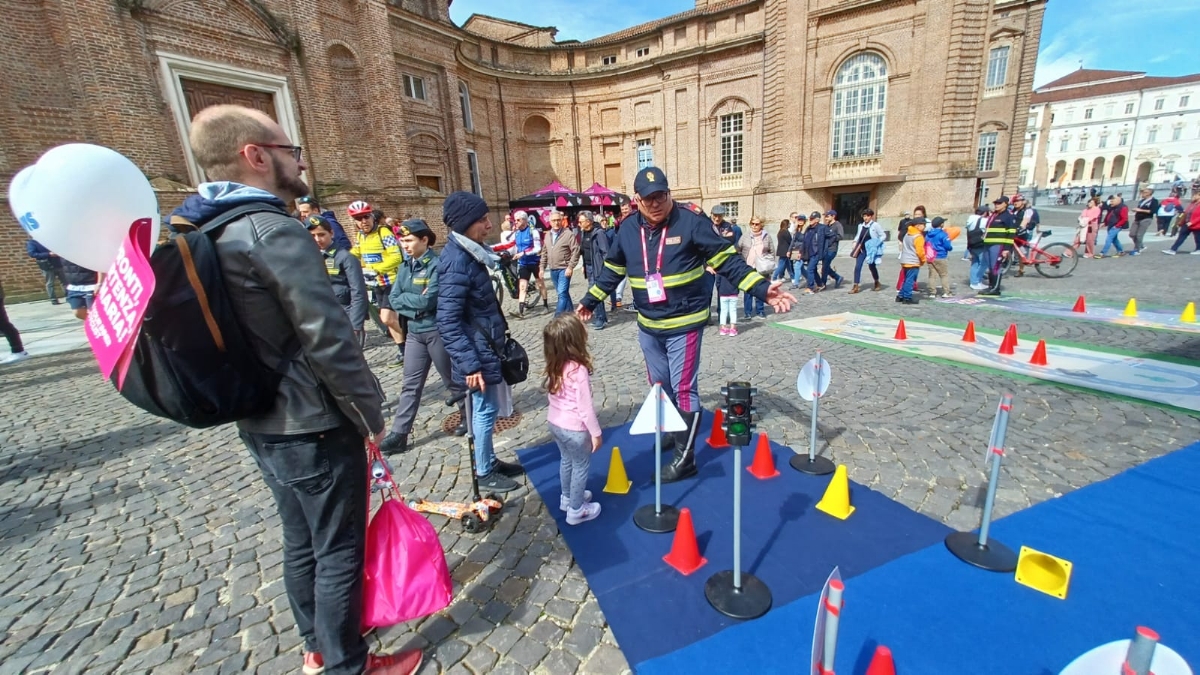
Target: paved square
130	544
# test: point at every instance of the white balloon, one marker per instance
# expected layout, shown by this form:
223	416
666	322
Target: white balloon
79	200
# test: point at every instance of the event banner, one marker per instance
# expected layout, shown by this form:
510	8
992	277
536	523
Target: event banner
121	300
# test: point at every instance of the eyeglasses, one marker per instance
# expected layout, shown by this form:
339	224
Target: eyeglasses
296	149
656	198
364	216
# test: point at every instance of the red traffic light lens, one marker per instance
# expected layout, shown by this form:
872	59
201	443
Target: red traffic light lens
738	409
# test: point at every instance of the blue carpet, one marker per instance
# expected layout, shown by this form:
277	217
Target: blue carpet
652	609
1133	543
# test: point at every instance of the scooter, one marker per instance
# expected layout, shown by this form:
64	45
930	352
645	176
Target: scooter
475	515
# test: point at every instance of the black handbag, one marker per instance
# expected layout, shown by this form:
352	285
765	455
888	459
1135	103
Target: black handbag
514	360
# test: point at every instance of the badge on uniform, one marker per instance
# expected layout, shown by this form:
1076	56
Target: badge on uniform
331	266
654	288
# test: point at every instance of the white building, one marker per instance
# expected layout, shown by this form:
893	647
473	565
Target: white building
1112	127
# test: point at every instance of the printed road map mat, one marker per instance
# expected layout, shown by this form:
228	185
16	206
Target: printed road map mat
1146	318
1156	380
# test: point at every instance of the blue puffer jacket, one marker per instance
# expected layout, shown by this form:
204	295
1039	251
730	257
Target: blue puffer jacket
463	310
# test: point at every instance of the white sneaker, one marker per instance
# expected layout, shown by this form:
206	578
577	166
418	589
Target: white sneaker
14	357
564	504
585	513
1168	252
979	287
1196	252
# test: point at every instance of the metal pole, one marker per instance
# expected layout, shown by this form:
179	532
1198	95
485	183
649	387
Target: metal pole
997	451
737	519
833	610
658	425
812	433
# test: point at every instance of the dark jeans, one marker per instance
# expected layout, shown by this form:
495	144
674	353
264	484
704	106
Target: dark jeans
319	482
750	302
52	272
827	269
858	265
9	330
1183	235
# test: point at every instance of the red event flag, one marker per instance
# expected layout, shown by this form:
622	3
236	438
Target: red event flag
116	315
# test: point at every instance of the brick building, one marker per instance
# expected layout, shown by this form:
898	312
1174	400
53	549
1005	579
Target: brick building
768	106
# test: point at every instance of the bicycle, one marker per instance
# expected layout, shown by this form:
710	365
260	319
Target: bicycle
505	281
1052	261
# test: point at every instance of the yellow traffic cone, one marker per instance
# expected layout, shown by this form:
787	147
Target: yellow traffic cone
618	483
1189	313
1131	308
836	501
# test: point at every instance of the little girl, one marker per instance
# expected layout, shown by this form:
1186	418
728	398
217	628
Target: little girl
727	295
572	418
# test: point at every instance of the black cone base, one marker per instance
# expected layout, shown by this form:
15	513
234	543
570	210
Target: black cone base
648	520
819	466
995	557
751	602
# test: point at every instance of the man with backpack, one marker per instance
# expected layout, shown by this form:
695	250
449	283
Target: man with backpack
308	441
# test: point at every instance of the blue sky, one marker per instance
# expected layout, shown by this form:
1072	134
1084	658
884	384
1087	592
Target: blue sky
1105	34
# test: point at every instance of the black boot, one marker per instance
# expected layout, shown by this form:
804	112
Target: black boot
993	285
394	444
683	463
461	429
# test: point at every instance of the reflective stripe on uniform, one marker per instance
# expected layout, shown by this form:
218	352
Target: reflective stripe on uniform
598	294
421	282
751	279
616	268
670	280
674	322
720	258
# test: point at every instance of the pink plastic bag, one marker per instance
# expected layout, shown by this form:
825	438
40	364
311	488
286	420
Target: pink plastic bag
405	572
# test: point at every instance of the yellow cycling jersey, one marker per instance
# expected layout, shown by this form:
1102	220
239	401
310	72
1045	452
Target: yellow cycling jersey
379	252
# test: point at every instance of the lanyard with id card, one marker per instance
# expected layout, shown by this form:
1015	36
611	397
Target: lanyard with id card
654	282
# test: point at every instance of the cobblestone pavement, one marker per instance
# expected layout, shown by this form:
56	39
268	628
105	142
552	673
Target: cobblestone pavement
129	544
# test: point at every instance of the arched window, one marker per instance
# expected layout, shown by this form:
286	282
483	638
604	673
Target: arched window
464	98
859	103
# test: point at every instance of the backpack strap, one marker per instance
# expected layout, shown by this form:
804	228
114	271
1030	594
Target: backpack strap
239	211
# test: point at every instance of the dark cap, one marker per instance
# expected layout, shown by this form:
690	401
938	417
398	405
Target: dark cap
938	221
831	212
1002	199
417	228
316	221
814	214
801	216
718	210
650	181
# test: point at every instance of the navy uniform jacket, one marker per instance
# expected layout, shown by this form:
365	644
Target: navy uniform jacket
691	243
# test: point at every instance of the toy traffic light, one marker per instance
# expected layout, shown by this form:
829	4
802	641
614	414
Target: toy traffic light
739	412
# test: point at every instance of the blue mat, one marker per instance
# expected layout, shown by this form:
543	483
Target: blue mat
1133	543
786	542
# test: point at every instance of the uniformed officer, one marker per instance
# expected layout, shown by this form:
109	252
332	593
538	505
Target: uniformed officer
664	249
414	297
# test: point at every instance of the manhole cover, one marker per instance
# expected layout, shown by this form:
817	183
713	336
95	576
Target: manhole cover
502	423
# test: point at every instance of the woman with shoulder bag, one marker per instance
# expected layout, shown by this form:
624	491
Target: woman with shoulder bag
868	249
758	249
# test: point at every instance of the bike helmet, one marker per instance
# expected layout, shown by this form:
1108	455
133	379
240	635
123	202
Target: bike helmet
358	208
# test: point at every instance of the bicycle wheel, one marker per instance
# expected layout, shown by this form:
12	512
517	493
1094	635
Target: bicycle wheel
1055	260
1007	264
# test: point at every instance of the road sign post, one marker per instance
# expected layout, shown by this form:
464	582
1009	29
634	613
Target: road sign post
811	384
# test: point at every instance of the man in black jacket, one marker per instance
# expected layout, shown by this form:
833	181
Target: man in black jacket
309	446
593	251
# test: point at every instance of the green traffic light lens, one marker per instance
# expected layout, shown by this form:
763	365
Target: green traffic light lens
737	428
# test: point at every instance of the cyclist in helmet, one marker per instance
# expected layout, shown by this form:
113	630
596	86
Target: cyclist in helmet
379	252
529	248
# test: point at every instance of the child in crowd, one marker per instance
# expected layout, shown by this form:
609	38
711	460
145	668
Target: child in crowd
727	295
938	268
572	418
912	257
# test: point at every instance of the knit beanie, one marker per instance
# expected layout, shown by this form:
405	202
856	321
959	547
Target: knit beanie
462	209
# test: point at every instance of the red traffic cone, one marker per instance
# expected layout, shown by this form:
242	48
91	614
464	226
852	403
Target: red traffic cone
685	552
882	663
764	463
1080	306
1012	331
1039	354
1006	345
901	334
969	334
717	439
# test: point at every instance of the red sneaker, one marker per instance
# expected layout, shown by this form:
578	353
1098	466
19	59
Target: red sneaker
313	663
403	663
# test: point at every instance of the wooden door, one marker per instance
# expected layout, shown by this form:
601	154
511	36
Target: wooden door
200	95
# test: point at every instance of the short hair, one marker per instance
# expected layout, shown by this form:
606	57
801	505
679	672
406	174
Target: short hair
868	212
218	135
557	214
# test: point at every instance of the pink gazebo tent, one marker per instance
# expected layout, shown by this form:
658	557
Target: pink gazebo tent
598	195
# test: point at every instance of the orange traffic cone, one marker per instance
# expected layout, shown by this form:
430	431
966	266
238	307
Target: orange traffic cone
1039	354
1080	306
1012	331
685	552
882	663
764	463
901	334
1006	345
717	439
969	334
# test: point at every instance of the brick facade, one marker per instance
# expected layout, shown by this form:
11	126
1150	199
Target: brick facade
342	74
